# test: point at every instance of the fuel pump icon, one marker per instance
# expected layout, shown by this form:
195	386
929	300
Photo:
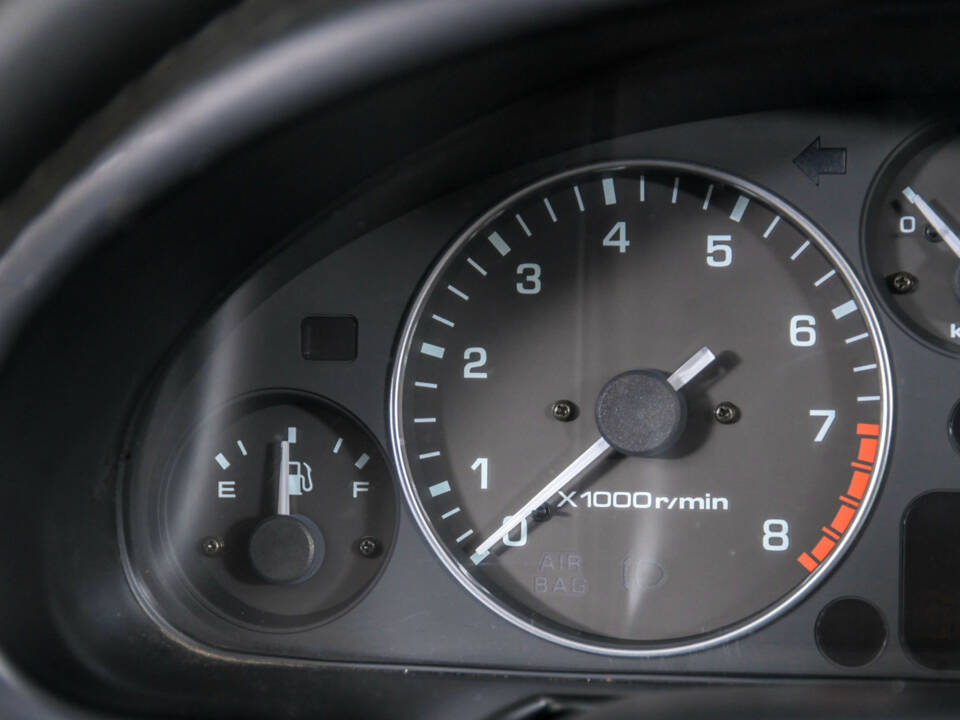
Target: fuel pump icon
300	477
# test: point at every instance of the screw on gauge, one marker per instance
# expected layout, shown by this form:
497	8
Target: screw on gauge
369	547
564	410
211	546
726	413
930	234
541	513
901	283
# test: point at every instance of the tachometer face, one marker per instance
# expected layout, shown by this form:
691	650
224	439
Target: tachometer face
640	409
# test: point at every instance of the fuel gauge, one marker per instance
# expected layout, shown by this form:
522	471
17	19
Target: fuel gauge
278	511
911	237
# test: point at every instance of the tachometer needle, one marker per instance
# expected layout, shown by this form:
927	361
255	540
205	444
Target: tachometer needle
936	222
684	374
283	484
697	363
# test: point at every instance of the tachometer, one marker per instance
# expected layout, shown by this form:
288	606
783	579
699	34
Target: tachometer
641	408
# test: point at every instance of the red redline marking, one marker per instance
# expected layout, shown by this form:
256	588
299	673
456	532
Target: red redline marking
823	548
868	450
858	484
841	521
849	501
869	435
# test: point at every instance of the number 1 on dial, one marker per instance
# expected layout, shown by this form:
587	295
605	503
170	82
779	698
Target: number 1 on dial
481	464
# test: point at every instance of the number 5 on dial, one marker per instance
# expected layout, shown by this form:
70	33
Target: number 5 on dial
719	252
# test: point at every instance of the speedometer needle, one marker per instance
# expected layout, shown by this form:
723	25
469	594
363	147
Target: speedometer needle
684	374
936	222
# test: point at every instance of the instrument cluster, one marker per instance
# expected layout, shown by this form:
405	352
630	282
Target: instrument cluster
675	402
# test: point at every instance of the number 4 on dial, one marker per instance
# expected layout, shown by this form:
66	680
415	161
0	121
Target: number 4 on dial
617	237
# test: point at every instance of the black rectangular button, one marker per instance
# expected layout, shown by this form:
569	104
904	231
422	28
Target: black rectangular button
930	581
329	338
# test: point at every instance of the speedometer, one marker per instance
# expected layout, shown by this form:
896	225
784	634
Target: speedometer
641	408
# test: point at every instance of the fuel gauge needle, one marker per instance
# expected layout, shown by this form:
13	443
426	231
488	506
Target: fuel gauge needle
283	484
684	374
936	222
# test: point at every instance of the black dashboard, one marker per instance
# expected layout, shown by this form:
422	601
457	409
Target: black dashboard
512	360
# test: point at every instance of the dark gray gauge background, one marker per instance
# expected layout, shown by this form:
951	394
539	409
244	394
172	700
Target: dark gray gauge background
600	311
929	165
192	508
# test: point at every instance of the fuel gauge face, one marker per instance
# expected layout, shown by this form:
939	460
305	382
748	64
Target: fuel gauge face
911	239
278	511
